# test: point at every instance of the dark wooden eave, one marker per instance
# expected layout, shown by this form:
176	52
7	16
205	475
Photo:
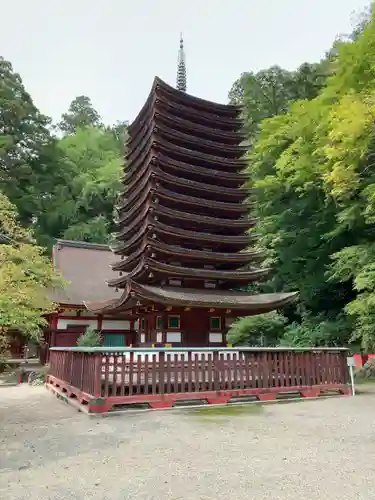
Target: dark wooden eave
193	142
148	189
205	222
152	245
198	136
160	229
162	91
183	124
238	194
155	181
206	118
133	174
198	158
147	265
231	110
160	145
242	303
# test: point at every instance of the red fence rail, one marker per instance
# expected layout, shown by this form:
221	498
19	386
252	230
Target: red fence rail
104	378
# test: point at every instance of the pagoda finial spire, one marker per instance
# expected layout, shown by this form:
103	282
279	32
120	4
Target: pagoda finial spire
181	67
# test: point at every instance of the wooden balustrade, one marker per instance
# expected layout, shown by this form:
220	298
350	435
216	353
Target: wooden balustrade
103	378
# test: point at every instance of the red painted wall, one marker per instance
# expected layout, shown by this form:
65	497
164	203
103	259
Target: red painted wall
360	360
194	327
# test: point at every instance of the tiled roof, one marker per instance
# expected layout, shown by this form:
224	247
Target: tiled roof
85	266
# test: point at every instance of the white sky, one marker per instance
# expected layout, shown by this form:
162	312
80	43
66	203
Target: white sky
110	50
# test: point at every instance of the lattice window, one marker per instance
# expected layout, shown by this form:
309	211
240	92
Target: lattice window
159	323
173	321
215	323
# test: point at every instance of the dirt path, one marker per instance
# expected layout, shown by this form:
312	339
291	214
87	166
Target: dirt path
309	450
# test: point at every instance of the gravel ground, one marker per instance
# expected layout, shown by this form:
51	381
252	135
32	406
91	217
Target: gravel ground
303	450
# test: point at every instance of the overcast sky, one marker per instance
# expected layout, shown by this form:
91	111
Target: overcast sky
110	50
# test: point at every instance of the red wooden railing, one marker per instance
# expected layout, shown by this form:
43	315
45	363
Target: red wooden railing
103	378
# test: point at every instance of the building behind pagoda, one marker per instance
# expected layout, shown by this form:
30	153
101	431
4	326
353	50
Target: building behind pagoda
183	242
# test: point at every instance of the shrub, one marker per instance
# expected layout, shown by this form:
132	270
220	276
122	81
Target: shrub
91	338
263	329
314	331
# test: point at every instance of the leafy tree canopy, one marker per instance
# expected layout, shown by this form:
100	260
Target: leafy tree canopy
26	146
312	168
81	114
270	92
26	276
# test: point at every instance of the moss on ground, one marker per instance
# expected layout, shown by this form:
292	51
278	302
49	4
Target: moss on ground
224	414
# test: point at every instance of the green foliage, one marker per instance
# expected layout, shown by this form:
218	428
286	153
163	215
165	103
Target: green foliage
62	187
270	92
4	349
312	168
81	207
26	175
317	331
264	329
81	114
25	277
93	155
91	338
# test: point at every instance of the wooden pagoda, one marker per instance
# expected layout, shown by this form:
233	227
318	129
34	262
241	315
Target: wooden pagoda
183	242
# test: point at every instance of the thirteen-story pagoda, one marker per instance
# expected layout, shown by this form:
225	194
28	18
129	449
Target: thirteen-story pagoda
183	219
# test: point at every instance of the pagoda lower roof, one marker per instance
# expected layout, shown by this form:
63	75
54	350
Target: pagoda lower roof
136	295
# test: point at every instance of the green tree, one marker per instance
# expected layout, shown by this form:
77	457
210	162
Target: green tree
296	217
312	168
81	206
260	330
350	177
81	114
26	276
270	92
26	146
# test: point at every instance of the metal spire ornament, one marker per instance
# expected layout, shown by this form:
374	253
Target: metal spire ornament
181	67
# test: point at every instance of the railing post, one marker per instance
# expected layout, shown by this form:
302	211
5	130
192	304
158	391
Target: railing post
82	371
161	372
216	364
98	374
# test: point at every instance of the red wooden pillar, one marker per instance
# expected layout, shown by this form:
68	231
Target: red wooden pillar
53	339
100	322
53	326
54	318
165	326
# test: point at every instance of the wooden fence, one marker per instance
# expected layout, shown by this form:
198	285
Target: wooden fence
104	378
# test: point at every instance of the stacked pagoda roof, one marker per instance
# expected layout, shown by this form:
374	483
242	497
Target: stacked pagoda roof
183	215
